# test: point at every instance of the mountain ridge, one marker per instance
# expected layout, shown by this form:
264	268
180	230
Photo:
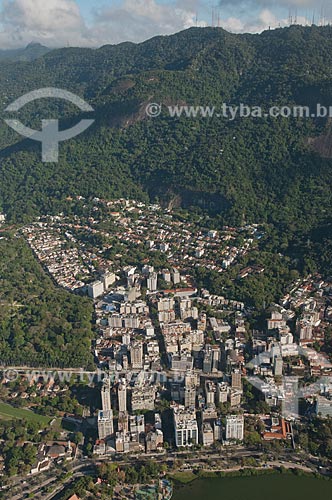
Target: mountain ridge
268	173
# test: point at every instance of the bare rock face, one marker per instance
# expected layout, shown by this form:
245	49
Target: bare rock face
322	144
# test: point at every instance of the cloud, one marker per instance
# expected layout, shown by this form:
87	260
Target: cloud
137	20
320	6
254	16
277	3
50	22
265	19
59	22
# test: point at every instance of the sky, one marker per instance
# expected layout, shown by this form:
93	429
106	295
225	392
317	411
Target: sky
93	23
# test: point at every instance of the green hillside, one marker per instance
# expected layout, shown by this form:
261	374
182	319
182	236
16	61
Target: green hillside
40	324
267	172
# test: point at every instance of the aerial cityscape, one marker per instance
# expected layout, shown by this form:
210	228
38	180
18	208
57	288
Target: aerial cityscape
165	250
192	378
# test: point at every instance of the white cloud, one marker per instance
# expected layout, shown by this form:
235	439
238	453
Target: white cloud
262	21
323	7
137	20
53	22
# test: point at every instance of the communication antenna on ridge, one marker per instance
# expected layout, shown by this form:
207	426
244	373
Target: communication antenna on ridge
295	20
215	16
324	16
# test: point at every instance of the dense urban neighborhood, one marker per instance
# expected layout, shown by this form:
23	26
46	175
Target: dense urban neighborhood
203	382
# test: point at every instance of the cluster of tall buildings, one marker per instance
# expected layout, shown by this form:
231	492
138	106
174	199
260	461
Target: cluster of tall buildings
127	334
99	287
172	277
188	433
127	432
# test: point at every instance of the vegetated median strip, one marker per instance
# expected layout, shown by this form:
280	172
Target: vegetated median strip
189	476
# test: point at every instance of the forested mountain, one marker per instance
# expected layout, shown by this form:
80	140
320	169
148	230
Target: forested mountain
248	169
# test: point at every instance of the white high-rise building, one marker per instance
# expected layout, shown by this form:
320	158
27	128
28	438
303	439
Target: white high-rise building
105	424
190	396
277	366
136	355
137	425
234	427
152	282
185	426
277	321
122	396
222	392
210	392
176	278
96	289
108	280
166	274
217	430
304	329
106	395
166	304
149	330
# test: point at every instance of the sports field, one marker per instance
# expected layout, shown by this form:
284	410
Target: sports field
8	412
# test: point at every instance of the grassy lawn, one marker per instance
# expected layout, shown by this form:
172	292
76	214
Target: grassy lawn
183	477
8	412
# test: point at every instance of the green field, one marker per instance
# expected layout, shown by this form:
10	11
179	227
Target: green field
8	412
184	477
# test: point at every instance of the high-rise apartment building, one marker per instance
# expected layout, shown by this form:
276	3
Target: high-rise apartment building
234	427
106	395
105	424
122	396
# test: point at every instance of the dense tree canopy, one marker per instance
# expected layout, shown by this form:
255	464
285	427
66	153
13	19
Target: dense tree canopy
40	324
